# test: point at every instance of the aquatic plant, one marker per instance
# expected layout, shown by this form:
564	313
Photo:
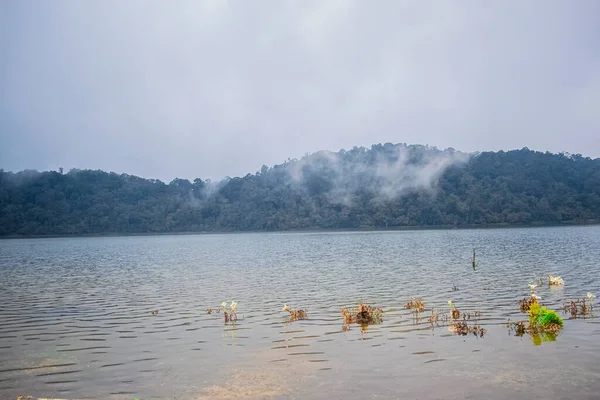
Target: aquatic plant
443	318
577	308
462	328
555	281
229	315
469	315
215	310
455	313
295	315
544	319
537	333
363	314
435	316
416	304
155	312
543	324
526	302
519	328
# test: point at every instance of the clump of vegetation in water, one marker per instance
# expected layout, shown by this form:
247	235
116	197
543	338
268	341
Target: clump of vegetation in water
537	335
543	324
519	328
155	312
363	314
454	312
230	314
580	307
555	281
462	328
526	302
543	319
295	315
416	304
437	317
469	315
443	318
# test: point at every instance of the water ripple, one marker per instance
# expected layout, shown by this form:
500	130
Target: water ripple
61	296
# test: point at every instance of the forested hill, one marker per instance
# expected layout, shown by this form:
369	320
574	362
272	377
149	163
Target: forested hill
384	186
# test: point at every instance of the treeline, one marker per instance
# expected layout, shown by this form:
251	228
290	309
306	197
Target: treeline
385	186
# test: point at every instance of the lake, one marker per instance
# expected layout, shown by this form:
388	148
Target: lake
76	315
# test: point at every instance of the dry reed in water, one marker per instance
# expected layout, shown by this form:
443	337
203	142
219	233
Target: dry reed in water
462	328
416	304
363	314
295	315
526	302
580	307
229	316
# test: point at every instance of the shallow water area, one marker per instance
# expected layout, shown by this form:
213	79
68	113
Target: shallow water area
76	318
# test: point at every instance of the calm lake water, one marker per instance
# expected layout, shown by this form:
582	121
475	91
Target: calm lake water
76	322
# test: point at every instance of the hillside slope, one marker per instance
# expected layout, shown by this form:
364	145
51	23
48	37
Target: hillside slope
383	186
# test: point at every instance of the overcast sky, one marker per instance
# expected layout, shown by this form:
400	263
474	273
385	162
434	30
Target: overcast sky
212	88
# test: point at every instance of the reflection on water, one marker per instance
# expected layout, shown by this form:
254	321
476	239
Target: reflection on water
76	317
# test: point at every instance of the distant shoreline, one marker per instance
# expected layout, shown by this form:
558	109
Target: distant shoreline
316	230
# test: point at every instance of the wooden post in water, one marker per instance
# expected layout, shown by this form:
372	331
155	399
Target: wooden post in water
473	260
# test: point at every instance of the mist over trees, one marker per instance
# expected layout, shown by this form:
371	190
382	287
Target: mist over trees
385	186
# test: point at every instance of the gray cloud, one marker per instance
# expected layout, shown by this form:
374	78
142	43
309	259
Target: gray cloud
215	88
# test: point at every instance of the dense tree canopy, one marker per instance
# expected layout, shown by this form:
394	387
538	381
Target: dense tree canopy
384	186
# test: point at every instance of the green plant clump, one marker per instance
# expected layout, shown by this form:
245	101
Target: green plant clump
542	317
